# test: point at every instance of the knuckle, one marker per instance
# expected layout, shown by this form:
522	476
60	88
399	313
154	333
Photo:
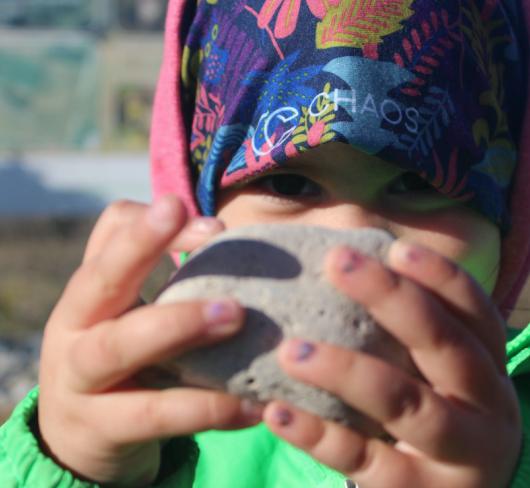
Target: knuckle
442	423
437	419
118	209
75	358
360	459
190	316
216	411
386	285
174	321
151	414
389	281
445	337
313	438
449	273
390	284
101	279
405	403
347	363
106	351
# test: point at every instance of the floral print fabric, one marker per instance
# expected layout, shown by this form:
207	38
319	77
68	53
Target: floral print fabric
433	86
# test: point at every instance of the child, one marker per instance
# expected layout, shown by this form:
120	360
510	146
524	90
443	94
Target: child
400	123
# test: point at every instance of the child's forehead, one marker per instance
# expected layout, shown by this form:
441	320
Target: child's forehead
340	159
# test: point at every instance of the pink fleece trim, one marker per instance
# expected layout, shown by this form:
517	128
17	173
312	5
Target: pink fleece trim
171	174
170	171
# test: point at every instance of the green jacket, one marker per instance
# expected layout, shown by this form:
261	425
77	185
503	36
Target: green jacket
249	458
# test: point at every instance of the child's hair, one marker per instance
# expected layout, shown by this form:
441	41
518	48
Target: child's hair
267	84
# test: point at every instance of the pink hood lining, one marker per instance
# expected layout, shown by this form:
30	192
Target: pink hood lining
171	174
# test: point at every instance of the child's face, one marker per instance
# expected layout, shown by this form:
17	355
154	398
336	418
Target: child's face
336	186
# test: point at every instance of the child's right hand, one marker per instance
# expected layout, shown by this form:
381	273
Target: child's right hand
93	419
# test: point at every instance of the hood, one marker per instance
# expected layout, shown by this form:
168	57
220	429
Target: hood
171	171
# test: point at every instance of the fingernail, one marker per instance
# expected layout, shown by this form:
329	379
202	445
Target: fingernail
301	350
204	225
161	215
349	260
221	314
283	417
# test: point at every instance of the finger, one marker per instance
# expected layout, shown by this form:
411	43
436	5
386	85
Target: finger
141	415
387	395
109	283
444	351
114	217
196	233
457	289
368	461
113	351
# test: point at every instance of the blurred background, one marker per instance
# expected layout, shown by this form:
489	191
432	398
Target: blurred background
77	79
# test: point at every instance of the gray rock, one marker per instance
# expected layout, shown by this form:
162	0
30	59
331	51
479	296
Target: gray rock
276	272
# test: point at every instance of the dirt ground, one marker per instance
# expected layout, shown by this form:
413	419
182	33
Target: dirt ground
37	257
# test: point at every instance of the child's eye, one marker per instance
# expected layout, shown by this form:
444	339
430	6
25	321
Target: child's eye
409	182
289	185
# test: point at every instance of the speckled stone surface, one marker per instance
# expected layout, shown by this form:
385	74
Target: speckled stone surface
276	272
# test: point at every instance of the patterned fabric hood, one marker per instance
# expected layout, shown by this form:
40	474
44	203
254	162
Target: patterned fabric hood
243	88
421	84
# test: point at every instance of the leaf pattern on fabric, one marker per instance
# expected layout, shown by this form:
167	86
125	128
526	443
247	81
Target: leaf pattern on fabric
498	164
484	40
228	139
436	113
282	85
314	127
243	56
369	80
238	161
446	179
288	12
214	59
361	23
320	7
287	16
493	133
423	48
209	114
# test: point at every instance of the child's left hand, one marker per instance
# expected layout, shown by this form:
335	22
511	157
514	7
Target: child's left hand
460	427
